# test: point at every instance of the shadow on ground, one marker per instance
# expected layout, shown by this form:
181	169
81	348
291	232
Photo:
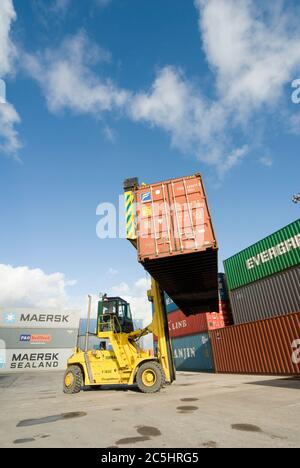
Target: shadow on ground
290	383
107	388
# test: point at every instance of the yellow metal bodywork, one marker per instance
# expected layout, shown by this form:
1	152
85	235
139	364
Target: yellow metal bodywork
117	366
69	379
159	327
120	365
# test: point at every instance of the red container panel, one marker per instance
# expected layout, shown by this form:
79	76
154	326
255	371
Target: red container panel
173	218
176	242
267	347
180	325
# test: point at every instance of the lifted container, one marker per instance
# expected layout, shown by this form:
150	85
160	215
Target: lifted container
176	242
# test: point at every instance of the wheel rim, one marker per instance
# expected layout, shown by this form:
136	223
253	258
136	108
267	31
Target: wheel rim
149	378
69	379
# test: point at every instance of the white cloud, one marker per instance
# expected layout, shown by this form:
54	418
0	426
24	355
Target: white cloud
253	50
9	118
233	159
7	49
59	9
112	272
120	289
173	103
68	82
143	284
253	47
266	161
294	123
9	139
25	287
61	6
136	295
110	134
196	125
51	13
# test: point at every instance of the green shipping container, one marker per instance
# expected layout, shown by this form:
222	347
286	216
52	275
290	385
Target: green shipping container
271	255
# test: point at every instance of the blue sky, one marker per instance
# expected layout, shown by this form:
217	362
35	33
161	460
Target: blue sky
106	90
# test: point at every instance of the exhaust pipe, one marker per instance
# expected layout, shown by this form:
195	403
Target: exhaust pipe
88	322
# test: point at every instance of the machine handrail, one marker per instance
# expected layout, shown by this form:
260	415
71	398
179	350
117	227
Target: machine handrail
113	321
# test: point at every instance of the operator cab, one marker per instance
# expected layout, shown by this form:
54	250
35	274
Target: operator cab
114	314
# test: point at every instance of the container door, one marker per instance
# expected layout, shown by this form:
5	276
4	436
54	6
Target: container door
191	220
154	221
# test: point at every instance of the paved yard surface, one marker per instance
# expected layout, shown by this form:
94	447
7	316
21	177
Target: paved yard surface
199	410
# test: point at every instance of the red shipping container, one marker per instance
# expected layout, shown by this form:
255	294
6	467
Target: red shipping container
180	325
267	347
176	242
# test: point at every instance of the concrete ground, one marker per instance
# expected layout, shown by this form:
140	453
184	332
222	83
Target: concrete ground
198	410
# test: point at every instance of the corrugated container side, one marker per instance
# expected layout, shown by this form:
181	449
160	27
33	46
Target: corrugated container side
37	360
268	347
173	218
180	325
176	242
38	318
220	320
271	255
269	297
30	338
193	353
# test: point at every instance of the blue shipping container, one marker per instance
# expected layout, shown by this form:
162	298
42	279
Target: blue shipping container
193	353
170	304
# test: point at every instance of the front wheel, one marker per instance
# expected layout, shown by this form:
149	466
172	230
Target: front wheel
73	380
150	377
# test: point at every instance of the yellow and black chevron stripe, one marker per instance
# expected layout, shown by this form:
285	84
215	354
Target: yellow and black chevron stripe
130	222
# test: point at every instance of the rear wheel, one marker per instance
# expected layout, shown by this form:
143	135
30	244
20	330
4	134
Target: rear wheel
73	380
150	377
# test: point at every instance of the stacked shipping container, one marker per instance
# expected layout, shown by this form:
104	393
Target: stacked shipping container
264	279
193	353
189	335
267	347
36	340
264	284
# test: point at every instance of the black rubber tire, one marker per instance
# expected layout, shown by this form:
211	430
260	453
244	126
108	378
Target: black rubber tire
160	377
77	383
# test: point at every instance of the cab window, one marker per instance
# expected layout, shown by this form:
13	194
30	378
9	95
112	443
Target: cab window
128	312
121	311
109	308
